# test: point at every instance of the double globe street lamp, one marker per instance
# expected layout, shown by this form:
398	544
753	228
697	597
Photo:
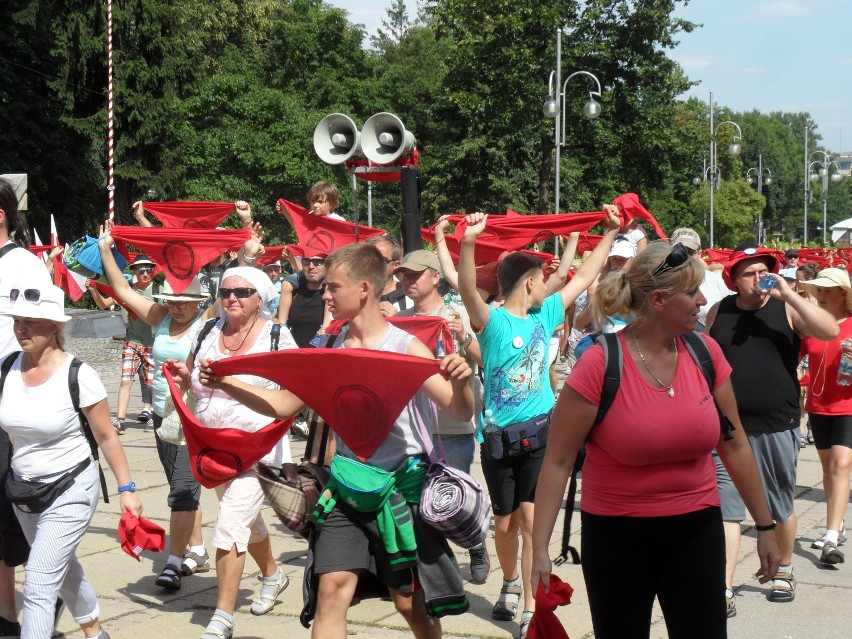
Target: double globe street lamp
761	234
824	173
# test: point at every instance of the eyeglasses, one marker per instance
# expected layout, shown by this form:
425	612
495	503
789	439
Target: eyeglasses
388	260
316	261
177	303
678	256
239	293
144	271
32	295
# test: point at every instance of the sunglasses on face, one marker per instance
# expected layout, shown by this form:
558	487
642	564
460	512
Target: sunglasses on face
32	295
181	303
144	271
678	256
316	261
239	293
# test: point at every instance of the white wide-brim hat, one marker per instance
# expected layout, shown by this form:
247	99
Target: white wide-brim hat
191	293
37	302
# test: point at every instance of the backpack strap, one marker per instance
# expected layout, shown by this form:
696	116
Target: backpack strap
6	366
697	348
74	390
9	247
613	365
204	332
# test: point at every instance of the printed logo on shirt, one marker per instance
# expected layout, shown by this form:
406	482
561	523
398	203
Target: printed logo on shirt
513	385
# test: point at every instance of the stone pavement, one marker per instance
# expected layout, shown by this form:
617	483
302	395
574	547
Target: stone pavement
132	606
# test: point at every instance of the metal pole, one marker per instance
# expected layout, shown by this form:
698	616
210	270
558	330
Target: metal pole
557	129
760	192
369	203
826	168
807	189
713	169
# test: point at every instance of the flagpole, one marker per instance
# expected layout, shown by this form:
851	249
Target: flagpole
110	123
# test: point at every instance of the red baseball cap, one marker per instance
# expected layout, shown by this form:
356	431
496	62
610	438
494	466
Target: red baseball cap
137	534
748	254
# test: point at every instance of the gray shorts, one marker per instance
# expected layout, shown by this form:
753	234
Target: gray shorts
776	455
184	489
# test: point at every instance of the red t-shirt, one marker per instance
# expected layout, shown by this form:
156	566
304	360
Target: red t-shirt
825	395
650	456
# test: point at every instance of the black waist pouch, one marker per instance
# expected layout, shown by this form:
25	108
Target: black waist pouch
526	437
37	496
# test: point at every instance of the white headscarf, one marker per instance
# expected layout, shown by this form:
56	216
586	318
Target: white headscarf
260	281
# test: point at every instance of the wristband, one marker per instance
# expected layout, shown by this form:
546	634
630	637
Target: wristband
765	528
127	488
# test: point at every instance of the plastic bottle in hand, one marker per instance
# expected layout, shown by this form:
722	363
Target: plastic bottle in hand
844	371
449	314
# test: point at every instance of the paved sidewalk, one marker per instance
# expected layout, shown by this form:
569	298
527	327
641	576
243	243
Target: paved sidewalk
132	606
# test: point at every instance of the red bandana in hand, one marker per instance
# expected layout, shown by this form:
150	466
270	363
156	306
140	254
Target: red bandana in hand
322	235
190	215
217	455
180	252
628	205
426	328
545	624
137	534
270	254
358	392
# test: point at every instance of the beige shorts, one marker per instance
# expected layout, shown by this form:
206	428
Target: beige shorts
239	522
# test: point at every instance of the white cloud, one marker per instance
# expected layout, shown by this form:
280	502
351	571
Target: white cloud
695	64
755	70
782	10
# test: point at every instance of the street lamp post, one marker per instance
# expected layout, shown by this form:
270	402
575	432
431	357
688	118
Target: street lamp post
807	187
824	173
555	105
733	149
761	236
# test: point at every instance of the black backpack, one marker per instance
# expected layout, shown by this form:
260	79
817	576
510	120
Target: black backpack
74	390
614	363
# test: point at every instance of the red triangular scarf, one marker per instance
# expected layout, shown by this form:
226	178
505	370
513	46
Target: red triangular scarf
629	205
359	392
196	215
270	254
219	454
426	328
180	252
322	234
544	623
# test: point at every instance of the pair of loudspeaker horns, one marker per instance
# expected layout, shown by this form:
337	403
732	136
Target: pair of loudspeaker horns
383	139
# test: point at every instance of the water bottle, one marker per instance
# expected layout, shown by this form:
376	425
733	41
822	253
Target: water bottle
492	437
449	314
844	371
767	283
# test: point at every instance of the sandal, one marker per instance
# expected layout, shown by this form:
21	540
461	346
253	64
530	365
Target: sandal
193	563
526	618
218	628
169	578
783	587
269	591
507	603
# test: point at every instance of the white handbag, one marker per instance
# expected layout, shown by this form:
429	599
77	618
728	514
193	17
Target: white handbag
171	429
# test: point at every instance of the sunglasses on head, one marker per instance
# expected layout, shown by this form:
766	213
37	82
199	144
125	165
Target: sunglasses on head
316	261
239	293
32	295
678	256
143	271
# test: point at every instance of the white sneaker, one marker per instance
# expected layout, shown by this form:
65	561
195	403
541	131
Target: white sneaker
300	427
841	539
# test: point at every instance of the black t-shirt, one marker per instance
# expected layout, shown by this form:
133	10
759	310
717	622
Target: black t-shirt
763	351
306	313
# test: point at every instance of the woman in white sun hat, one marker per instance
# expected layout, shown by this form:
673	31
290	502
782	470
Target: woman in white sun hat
829	406
176	321
37	412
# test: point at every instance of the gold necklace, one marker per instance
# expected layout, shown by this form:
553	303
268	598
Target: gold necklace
245	337
670	386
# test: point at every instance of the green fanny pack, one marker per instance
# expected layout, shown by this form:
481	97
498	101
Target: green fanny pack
366	488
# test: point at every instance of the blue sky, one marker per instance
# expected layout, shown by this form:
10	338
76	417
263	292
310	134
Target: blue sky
785	55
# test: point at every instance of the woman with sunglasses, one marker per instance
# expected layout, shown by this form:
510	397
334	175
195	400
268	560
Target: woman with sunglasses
37	412
649	497
175	319
244	326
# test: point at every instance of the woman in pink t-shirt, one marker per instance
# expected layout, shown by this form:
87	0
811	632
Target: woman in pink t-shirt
829	407
649	487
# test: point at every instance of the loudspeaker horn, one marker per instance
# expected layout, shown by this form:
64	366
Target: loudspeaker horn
384	138
336	139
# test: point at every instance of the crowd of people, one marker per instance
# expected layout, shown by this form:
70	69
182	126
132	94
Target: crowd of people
715	368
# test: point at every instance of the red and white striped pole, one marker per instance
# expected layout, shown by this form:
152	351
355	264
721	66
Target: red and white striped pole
110	125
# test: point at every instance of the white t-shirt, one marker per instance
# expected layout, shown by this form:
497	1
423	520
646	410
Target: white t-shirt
714	289
41	421
216	409
18	266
